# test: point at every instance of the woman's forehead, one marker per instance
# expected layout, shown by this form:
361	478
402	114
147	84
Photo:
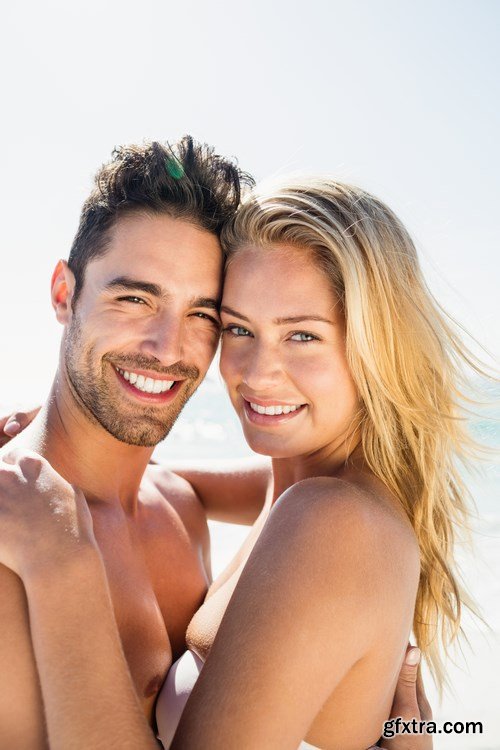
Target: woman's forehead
283	281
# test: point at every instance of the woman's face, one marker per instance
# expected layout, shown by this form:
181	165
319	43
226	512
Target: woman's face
283	354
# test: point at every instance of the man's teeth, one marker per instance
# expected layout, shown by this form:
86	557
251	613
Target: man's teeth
147	385
273	410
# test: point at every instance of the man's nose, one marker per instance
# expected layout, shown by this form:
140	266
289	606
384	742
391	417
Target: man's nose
163	339
263	370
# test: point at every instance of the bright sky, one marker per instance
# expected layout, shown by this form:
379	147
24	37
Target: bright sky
397	96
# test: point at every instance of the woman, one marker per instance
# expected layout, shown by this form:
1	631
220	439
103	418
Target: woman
338	364
343	370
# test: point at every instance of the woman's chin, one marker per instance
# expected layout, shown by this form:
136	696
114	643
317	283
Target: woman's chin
273	446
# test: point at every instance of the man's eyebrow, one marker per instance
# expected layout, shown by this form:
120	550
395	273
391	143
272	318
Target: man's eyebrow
125	283
209	302
280	321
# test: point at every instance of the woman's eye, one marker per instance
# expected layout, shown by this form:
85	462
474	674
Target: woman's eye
236	331
302	336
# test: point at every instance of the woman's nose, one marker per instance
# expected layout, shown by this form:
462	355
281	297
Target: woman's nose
262	370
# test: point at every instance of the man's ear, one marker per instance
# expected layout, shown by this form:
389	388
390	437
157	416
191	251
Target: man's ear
62	288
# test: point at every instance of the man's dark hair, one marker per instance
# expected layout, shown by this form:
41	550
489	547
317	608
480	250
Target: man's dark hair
185	180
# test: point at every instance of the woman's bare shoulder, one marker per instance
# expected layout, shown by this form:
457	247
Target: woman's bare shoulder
361	519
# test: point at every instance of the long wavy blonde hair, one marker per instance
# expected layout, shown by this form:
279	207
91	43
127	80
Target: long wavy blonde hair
406	359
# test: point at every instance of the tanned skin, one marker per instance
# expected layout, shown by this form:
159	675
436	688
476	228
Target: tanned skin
149	524
139	567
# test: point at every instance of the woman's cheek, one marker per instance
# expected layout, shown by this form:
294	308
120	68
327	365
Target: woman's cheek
229	365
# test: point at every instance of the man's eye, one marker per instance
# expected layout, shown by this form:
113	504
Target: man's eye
134	300
303	336
236	331
206	316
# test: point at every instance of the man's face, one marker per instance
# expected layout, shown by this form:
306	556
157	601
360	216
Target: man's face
145	326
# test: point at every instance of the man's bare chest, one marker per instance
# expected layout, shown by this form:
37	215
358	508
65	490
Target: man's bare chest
156	583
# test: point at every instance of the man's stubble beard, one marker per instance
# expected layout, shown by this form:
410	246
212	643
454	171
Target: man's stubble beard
144	426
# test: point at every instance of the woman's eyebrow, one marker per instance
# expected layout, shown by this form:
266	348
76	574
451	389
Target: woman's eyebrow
230	311
279	321
300	319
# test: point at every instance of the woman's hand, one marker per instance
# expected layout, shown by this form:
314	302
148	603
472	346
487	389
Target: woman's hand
14	423
410	702
43	519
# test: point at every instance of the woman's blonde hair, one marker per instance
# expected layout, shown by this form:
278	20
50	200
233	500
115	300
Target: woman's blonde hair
406	359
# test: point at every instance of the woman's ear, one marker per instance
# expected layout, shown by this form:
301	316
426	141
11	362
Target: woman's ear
62	288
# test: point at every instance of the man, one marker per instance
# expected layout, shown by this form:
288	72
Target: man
138	300
139	294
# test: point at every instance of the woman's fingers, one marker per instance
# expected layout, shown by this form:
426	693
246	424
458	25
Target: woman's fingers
423	703
409	703
405	698
4	437
13	424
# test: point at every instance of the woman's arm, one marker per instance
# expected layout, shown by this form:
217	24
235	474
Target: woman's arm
47	539
314	599
231	490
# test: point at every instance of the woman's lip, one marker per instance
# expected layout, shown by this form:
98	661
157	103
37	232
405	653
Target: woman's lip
269	401
269	419
151	398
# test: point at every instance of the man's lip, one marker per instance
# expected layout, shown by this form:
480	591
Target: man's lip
149	398
154	374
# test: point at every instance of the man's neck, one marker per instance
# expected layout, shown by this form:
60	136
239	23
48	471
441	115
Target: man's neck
83	452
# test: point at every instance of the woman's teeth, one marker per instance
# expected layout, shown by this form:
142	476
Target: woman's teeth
273	410
146	385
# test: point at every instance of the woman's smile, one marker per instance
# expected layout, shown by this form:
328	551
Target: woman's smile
270	413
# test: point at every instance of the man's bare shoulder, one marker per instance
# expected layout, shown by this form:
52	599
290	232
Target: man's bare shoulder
171	485
178	495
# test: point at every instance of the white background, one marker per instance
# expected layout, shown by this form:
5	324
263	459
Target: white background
400	97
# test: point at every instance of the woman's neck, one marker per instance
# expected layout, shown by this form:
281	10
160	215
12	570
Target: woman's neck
334	460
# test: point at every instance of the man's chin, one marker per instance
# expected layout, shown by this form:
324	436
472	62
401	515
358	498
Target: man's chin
130	422
147	434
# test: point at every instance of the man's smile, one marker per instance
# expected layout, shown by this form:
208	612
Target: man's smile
148	386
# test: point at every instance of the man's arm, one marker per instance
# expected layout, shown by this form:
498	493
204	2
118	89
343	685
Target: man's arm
22	724
89	698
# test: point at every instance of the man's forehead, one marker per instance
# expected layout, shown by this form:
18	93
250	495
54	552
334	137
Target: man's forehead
156	249
143	229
